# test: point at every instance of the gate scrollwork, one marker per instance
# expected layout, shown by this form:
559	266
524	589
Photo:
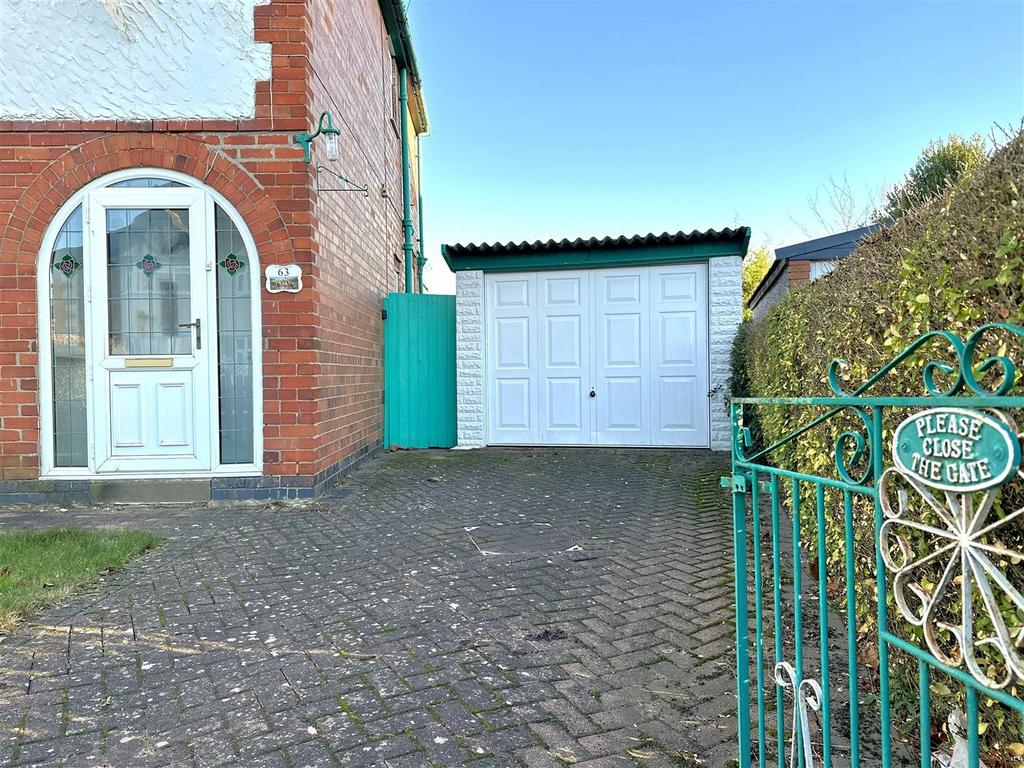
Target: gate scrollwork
806	698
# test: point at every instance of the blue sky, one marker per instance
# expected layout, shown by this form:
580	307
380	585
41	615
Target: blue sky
566	118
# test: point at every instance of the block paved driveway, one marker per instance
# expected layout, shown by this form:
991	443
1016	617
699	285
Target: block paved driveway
489	608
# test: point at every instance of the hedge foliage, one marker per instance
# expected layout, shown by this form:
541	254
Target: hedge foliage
954	264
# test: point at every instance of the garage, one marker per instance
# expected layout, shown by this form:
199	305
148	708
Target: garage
613	342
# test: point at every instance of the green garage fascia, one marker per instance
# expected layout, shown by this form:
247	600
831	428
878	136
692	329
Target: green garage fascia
645	250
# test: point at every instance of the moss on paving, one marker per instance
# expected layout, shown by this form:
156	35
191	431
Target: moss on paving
43	568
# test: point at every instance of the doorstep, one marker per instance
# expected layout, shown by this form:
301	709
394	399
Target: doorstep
176	491
138	491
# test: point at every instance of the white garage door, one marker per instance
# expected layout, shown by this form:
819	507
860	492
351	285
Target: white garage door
598	357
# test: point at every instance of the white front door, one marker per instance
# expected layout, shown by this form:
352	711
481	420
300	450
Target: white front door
150	284
598	357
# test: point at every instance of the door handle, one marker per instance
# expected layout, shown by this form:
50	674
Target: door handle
198	325
593	393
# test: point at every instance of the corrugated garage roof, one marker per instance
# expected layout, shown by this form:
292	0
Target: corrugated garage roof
737	235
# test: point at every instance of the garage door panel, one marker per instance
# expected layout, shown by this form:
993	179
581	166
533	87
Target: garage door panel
562	291
678	338
622	403
511	359
674	409
620	289
563	348
513	403
676	286
513	342
511	294
622	340
564	404
679	349
565	358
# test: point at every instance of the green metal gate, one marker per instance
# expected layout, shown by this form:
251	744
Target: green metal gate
419	371
920	501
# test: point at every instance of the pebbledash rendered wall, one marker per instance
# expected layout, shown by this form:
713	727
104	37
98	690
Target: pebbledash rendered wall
143	60
725	291
286	61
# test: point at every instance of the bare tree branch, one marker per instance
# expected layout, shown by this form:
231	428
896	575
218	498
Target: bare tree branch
836	207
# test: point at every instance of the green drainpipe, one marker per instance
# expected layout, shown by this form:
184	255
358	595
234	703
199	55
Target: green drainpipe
407	248
421	260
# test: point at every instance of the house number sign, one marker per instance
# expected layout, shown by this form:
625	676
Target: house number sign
284	278
956	449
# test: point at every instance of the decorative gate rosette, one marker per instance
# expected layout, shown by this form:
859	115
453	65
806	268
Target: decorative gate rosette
941	533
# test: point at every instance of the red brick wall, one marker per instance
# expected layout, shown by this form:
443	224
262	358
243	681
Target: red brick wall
357	238
322	346
799	272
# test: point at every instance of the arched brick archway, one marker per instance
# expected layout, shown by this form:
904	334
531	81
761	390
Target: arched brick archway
44	196
23	235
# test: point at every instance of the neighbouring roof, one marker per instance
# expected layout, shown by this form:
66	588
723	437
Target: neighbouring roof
828	248
837	246
606	251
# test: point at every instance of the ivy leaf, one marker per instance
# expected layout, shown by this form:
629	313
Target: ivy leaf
1007	243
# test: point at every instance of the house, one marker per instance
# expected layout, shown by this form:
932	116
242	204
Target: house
801	264
617	342
202	206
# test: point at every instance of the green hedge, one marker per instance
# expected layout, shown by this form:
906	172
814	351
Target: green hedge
952	264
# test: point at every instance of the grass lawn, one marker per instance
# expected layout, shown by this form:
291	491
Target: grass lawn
40	568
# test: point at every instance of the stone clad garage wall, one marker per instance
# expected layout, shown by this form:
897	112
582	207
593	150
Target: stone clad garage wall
725	277
469	357
725	307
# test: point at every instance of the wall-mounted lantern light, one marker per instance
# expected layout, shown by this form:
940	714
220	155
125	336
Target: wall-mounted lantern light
331	137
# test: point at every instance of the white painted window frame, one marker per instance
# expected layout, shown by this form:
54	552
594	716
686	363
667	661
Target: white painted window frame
45	390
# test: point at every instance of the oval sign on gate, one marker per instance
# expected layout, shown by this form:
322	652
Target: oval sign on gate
956	449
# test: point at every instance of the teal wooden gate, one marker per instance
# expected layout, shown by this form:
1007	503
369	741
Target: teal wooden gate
921	501
419	371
